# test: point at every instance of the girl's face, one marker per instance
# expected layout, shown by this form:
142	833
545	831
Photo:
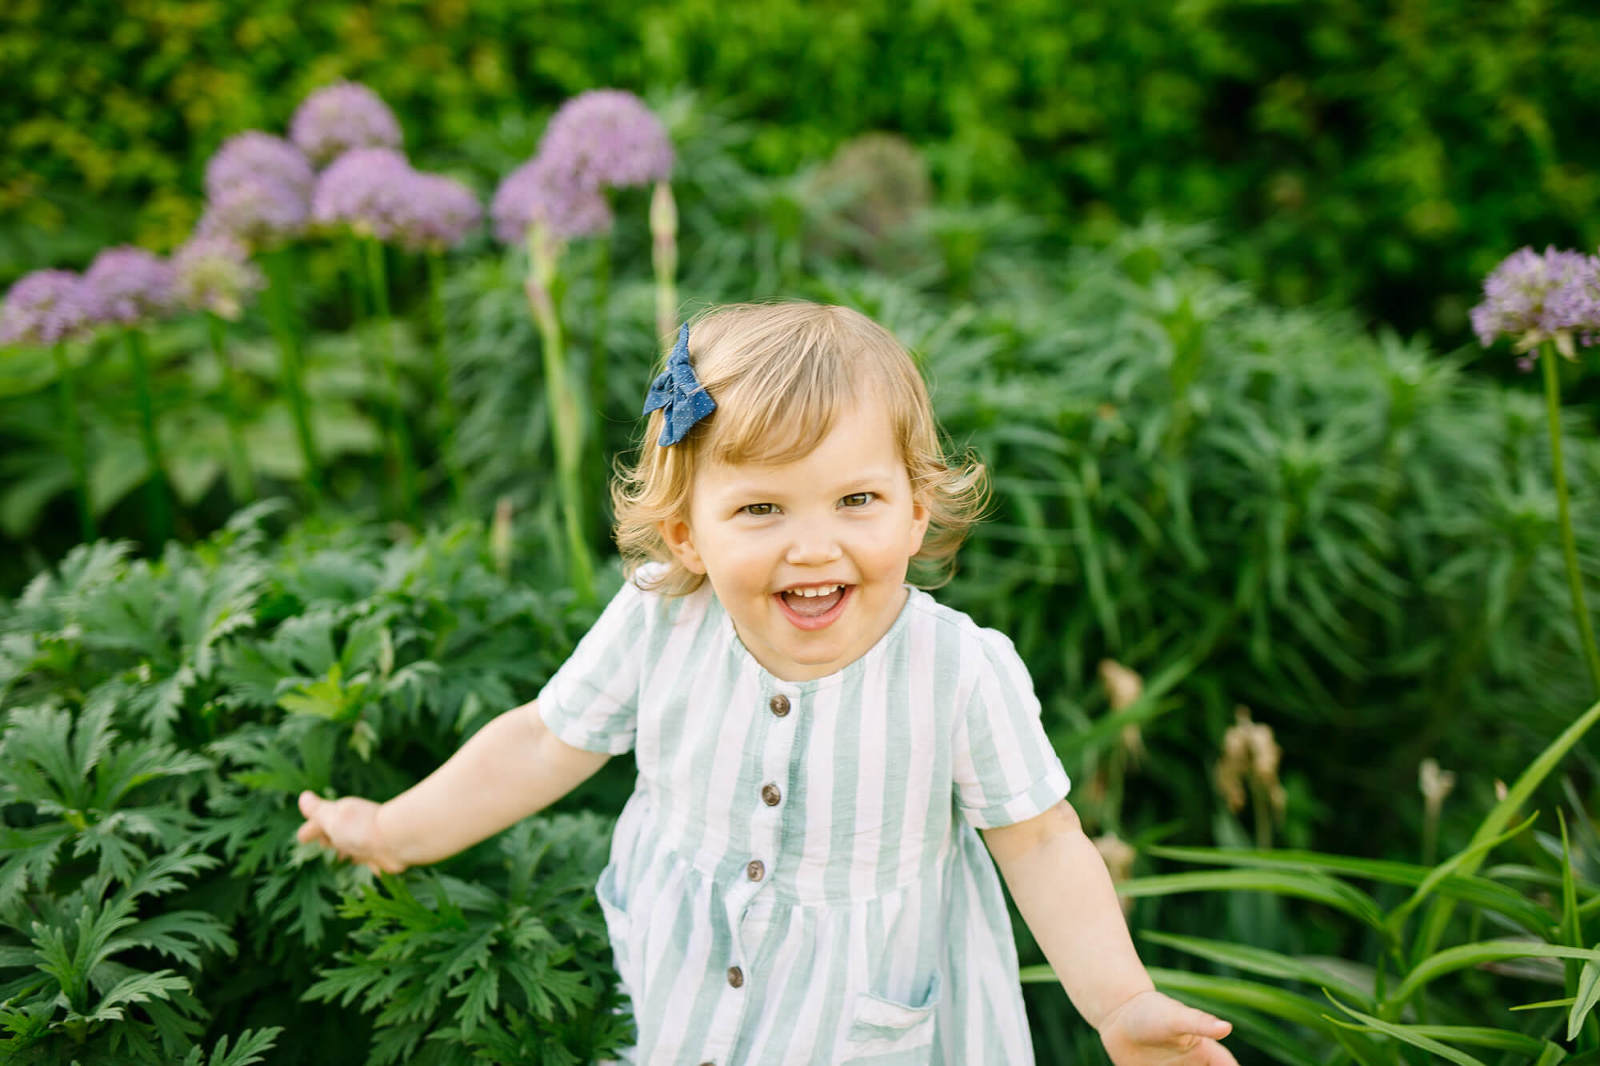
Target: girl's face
808	557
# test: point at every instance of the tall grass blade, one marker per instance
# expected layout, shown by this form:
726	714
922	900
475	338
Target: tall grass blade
1403	1033
1476	954
1258	961
1584	1002
1311	886
1500	814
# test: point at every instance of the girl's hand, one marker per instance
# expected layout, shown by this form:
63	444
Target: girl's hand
1151	1029
350	827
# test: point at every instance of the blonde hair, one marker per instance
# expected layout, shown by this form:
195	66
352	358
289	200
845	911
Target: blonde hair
781	375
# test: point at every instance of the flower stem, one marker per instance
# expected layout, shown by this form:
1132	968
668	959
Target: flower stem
353	263
397	422
1569	545
566	426
75	451
664	256
602	297
241	480
160	507
441	373
277	304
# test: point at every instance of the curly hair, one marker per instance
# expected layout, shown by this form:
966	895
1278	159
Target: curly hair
781	375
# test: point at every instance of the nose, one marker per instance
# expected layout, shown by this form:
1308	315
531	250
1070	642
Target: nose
814	543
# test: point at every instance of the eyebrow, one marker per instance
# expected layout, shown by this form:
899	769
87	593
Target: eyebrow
863	479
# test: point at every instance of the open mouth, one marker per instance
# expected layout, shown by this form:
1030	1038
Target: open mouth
815	606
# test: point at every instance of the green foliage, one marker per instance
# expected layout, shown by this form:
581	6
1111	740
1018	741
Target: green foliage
1383	1009
518	946
1245	505
160	717
1386	155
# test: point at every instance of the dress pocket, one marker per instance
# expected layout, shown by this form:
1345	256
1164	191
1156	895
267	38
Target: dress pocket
618	927
884	1032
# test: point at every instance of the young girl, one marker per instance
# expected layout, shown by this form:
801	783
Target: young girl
798	876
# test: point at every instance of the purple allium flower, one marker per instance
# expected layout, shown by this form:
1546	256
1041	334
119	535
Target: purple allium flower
214	273
43	307
608	137
342	116
1575	307
1530	298
365	189
544	190
256	156
440	212
258	212
127	285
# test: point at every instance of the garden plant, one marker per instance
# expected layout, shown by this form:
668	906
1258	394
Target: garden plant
334	481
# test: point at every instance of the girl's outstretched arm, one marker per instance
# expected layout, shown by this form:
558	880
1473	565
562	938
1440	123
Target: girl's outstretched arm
1065	894
509	769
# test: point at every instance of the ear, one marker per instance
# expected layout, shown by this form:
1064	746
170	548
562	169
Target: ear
680	539
920	517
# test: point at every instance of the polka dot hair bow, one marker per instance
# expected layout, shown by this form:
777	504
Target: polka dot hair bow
678	391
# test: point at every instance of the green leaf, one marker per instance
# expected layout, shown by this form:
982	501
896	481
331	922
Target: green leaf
1307	885
1473	890
1501	813
1404	1033
1478	953
1267	999
1258	961
1564	1001
1472	855
1584	1001
249	1048
322	698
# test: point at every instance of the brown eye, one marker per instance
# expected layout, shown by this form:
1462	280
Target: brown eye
858	499
759	510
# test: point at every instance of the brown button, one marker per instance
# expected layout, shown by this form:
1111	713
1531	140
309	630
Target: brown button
770	795
735	977
755	871
779	705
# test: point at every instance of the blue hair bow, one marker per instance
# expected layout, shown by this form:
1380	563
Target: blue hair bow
680	392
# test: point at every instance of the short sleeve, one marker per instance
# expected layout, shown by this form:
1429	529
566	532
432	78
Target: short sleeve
592	701
1005	769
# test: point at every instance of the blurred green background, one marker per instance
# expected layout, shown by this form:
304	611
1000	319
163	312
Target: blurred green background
1380	155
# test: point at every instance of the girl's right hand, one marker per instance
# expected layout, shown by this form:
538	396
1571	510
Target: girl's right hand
349	826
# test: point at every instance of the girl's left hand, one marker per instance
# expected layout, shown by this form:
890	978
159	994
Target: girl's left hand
1151	1029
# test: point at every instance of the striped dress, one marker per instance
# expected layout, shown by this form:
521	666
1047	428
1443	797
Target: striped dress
797	877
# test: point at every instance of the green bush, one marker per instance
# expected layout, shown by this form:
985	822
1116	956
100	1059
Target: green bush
160	719
1382	156
1243	504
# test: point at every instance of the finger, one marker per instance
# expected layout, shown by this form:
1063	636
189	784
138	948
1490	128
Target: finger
309	802
1217	1055
1187	1021
1192	1020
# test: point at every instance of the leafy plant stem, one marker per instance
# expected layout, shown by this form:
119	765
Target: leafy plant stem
1569	546
566	428
377	277
441	374
276	299
75	451
160	509
241	481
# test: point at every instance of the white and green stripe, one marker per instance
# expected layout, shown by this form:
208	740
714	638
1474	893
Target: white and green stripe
877	931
